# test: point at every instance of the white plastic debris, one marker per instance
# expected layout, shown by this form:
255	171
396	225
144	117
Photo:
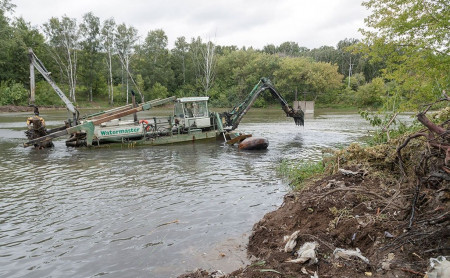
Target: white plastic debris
307	252
388	234
347	254
304	271
291	241
315	275
351	173
439	268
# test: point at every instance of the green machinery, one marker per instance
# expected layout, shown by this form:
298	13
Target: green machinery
234	117
191	119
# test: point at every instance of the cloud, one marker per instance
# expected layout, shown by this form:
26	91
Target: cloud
228	22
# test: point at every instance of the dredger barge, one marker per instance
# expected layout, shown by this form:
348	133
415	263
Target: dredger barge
191	121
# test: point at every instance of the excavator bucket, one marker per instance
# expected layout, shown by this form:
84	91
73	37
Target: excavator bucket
299	118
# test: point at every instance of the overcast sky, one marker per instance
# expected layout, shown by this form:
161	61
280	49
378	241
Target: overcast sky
310	23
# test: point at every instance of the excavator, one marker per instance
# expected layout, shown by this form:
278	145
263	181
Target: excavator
191	120
234	117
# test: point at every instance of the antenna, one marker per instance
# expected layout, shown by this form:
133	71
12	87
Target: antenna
350	67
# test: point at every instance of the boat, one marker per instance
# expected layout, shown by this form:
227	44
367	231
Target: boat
191	120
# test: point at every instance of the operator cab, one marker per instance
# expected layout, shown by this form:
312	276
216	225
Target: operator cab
192	112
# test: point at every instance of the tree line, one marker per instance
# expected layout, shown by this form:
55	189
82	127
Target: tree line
101	61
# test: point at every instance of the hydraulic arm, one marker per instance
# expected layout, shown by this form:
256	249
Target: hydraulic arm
36	63
234	117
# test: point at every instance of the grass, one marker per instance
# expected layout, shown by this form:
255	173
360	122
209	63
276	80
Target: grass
299	172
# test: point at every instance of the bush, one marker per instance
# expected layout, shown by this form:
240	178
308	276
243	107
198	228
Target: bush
13	93
157	91
371	94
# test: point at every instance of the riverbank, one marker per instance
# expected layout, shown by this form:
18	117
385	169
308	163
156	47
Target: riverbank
23	108
379	211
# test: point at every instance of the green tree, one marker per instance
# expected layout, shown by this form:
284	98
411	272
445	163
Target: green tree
239	71
124	40
155	66
270	49
90	44
290	49
412	38
107	41
179	57
14	63
327	54
63	37
158	91
304	75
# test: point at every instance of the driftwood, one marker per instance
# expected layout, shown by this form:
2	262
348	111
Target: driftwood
438	139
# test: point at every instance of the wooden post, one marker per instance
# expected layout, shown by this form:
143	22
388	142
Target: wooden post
133	99
32	82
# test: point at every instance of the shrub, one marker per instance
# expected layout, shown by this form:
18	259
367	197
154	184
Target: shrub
13	93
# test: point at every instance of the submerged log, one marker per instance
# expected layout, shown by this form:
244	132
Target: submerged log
254	143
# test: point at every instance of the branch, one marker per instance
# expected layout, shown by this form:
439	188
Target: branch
399	149
429	124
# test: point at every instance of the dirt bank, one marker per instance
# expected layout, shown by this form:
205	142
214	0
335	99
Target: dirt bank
21	108
394	209
15	108
349	212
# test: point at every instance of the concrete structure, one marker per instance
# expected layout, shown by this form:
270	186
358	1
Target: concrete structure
306	106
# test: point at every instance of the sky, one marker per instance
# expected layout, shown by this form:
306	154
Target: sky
256	23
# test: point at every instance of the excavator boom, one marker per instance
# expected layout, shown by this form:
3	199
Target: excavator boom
36	63
234	117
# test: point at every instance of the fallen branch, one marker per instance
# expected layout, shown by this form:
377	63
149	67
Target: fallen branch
412	271
386	127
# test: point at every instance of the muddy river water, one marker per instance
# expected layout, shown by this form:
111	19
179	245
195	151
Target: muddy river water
147	211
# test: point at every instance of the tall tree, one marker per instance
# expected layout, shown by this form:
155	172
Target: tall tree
107	40
156	61
125	38
270	49
239	71
179	54
90	43
209	65
205	58
63	38
6	35
290	49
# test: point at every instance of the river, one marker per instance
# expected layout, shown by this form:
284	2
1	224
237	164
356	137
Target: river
146	211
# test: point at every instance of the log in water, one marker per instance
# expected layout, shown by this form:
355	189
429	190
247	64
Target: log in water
254	143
